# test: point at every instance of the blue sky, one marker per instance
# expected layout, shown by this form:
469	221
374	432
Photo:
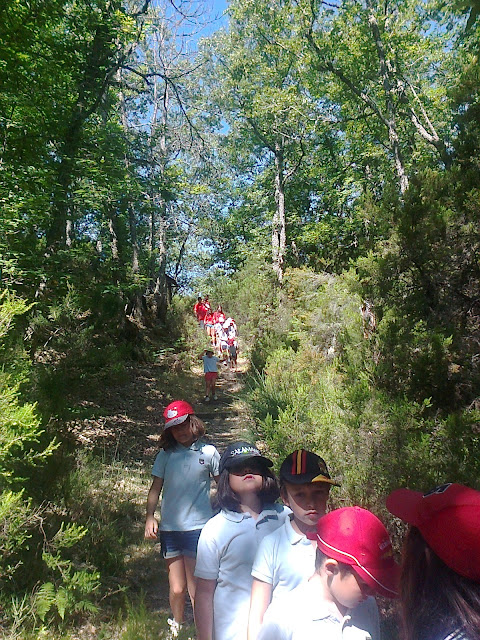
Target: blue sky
216	9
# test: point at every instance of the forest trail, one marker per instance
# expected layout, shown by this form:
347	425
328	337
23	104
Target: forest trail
124	424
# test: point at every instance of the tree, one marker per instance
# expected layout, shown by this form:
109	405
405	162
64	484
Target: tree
387	61
269	114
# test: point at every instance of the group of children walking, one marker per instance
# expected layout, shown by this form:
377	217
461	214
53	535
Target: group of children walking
221	330
264	570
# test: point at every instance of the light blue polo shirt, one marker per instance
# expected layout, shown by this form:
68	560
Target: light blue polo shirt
186	473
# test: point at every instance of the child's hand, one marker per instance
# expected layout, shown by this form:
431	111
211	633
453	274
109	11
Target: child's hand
151	528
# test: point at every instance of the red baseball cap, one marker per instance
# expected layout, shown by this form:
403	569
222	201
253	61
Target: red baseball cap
448	517
356	537
177	412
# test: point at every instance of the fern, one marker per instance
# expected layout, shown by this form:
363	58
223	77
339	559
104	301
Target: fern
44	600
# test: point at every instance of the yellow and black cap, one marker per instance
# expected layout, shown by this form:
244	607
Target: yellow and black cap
302	467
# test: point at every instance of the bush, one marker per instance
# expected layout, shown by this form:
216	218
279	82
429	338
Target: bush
322	394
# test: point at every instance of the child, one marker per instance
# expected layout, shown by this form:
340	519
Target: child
210	369
218	315
246	492
353	560
286	557
440	582
182	469
232	353
209	326
200	312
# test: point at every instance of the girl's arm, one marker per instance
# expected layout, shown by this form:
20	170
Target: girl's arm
203	608
259	601
151	524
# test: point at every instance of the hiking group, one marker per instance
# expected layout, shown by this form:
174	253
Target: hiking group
223	334
259	569
222	330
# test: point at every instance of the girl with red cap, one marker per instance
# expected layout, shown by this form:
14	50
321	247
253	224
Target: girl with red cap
182	470
440	581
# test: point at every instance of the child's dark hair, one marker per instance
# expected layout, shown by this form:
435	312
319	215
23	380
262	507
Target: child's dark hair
227	499
321	558
435	599
167	441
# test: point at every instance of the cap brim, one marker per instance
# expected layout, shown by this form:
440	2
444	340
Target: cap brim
383	581
404	503
175	421
321	478
306	478
241	459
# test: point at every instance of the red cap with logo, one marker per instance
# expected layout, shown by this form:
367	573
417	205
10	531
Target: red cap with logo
356	537
177	412
448	517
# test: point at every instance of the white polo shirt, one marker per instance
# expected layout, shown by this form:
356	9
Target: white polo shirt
284	559
226	550
186	473
302	614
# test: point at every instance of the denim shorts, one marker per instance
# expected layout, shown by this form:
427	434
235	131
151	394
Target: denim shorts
179	543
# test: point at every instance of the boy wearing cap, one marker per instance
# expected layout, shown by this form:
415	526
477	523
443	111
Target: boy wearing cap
353	560
286	557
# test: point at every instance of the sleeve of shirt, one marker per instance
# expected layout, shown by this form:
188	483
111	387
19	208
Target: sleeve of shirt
262	568
215	463
158	469
208	553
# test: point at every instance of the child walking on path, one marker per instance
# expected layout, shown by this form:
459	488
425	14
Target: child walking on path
182	469
353	561
286	557
210	369
440	582
247	490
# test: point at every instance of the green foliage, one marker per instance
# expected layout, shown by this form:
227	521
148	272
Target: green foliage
17	525
424	281
322	393
72	589
21	443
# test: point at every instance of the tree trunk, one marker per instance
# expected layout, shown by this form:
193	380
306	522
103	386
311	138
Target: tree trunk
159	209
278	222
389	102
135	306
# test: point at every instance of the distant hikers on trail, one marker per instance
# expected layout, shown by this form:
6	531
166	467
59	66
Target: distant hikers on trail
200	311
263	570
221	330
